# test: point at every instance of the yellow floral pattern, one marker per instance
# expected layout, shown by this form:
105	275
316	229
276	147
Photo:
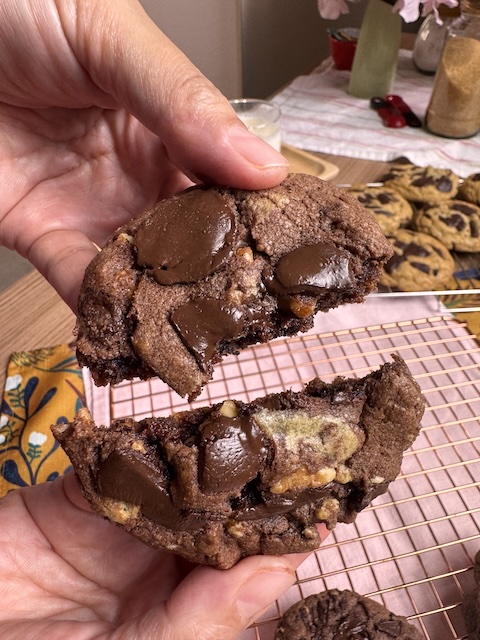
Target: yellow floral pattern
42	388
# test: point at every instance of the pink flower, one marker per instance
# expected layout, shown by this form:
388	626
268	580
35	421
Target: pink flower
332	9
408	9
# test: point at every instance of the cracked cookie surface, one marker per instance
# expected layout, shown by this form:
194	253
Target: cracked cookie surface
211	271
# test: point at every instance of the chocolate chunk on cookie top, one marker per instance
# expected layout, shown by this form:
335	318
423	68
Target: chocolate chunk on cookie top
455	223
212	270
187	240
220	483
343	615
422	184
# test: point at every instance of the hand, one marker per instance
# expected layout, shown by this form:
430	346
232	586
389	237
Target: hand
65	572
100	116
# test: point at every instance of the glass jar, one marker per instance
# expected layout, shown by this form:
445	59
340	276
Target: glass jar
430	39
454	108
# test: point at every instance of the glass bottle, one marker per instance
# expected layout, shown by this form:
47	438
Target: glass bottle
454	108
375	62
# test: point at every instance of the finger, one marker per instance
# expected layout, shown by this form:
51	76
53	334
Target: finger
62	257
220	604
73	492
130	58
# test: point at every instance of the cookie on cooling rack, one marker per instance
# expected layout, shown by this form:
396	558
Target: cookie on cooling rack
345	615
390	209
456	223
476	568
211	271
471	613
471	604
422	184
419	263
220	483
470	189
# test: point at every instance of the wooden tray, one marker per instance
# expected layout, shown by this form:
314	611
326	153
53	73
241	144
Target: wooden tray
305	162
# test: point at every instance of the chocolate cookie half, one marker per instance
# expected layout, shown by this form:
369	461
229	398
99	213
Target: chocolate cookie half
343	615
211	271
220	483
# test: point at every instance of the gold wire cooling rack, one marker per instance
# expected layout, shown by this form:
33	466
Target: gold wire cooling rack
413	549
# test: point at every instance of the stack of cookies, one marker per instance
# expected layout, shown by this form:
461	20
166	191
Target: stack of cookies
426	213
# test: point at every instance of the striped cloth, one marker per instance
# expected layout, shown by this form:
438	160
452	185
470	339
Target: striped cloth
319	115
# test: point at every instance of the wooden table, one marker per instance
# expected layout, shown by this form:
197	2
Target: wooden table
33	316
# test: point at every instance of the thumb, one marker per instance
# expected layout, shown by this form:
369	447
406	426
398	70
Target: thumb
132	60
210	603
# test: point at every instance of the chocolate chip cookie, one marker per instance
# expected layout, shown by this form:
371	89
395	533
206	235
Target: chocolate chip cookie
419	263
343	615
456	223
390	209
471	604
470	189
219	483
213	270
422	184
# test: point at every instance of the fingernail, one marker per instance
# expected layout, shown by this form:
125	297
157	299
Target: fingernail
255	150
261	590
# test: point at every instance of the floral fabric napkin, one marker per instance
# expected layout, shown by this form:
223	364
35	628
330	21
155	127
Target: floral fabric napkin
43	387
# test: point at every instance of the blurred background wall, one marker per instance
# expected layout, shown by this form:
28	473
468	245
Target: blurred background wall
249	48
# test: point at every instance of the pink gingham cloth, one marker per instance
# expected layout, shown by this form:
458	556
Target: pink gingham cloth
319	115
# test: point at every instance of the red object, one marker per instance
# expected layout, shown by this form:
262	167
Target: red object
398	102
388	112
391	119
343	52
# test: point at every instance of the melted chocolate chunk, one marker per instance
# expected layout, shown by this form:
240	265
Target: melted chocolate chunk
442	184
202	324
231	452
410	249
129	478
464	208
421	266
313	269
186	238
455	220
368	199
269	504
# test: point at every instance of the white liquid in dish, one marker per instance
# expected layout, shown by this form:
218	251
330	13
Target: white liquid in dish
263	128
